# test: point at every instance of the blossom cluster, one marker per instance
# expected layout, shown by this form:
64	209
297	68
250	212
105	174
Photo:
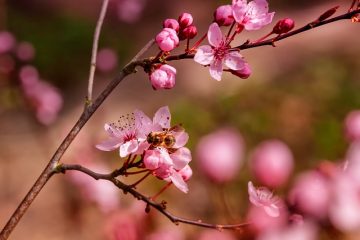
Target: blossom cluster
42	97
161	148
239	15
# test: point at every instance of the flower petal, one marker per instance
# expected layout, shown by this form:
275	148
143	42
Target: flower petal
143	123
109	145
234	61
181	158
215	36
128	147
162	117
204	55
179	182
272	210
216	70
181	139
239	10
253	196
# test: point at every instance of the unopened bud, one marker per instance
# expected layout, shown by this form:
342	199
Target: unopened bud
328	13
284	26
223	15
185	20
188	33
171	23
167	39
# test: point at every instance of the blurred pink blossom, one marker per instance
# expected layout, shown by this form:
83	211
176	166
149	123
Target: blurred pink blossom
101	192
272	163
167	39
311	194
44	98
7	42
212	234
218	53
306	231
253	15
261	221
220	155
263	198
130	10
106	60
25	51
345	203
124	225
163	77
223	15
166	234
352	125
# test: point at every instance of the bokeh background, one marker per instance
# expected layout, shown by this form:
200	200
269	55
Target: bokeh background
299	92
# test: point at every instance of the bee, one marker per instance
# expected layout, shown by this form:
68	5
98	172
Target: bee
164	138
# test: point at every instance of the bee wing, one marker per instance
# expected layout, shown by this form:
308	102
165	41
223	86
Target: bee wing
181	139
176	128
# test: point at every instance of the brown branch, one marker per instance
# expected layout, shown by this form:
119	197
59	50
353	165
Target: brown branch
158	206
53	163
95	50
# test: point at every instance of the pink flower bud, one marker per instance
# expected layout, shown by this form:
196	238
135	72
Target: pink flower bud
284	26
220	155
188	33
272	163
185	20
7	42
171	23
352	125
163	77
223	15
243	73
311	194
167	39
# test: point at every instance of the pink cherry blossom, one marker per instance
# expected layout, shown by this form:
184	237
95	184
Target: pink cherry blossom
352	125
218	53
130	10
272	163
220	155
189	32
253	15
185	20
263	198
43	97
163	77
7	42
223	15
167	39
171	23
169	166
25	51
106	60
311	194
262	222
130	137
306	231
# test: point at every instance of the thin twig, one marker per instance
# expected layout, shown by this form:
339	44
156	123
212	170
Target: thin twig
158	206
95	50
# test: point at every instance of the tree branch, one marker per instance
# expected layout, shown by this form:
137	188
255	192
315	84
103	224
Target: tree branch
95	50
158	206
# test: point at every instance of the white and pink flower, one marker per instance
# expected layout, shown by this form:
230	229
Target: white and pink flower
130	138
253	15
262	197
218	53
